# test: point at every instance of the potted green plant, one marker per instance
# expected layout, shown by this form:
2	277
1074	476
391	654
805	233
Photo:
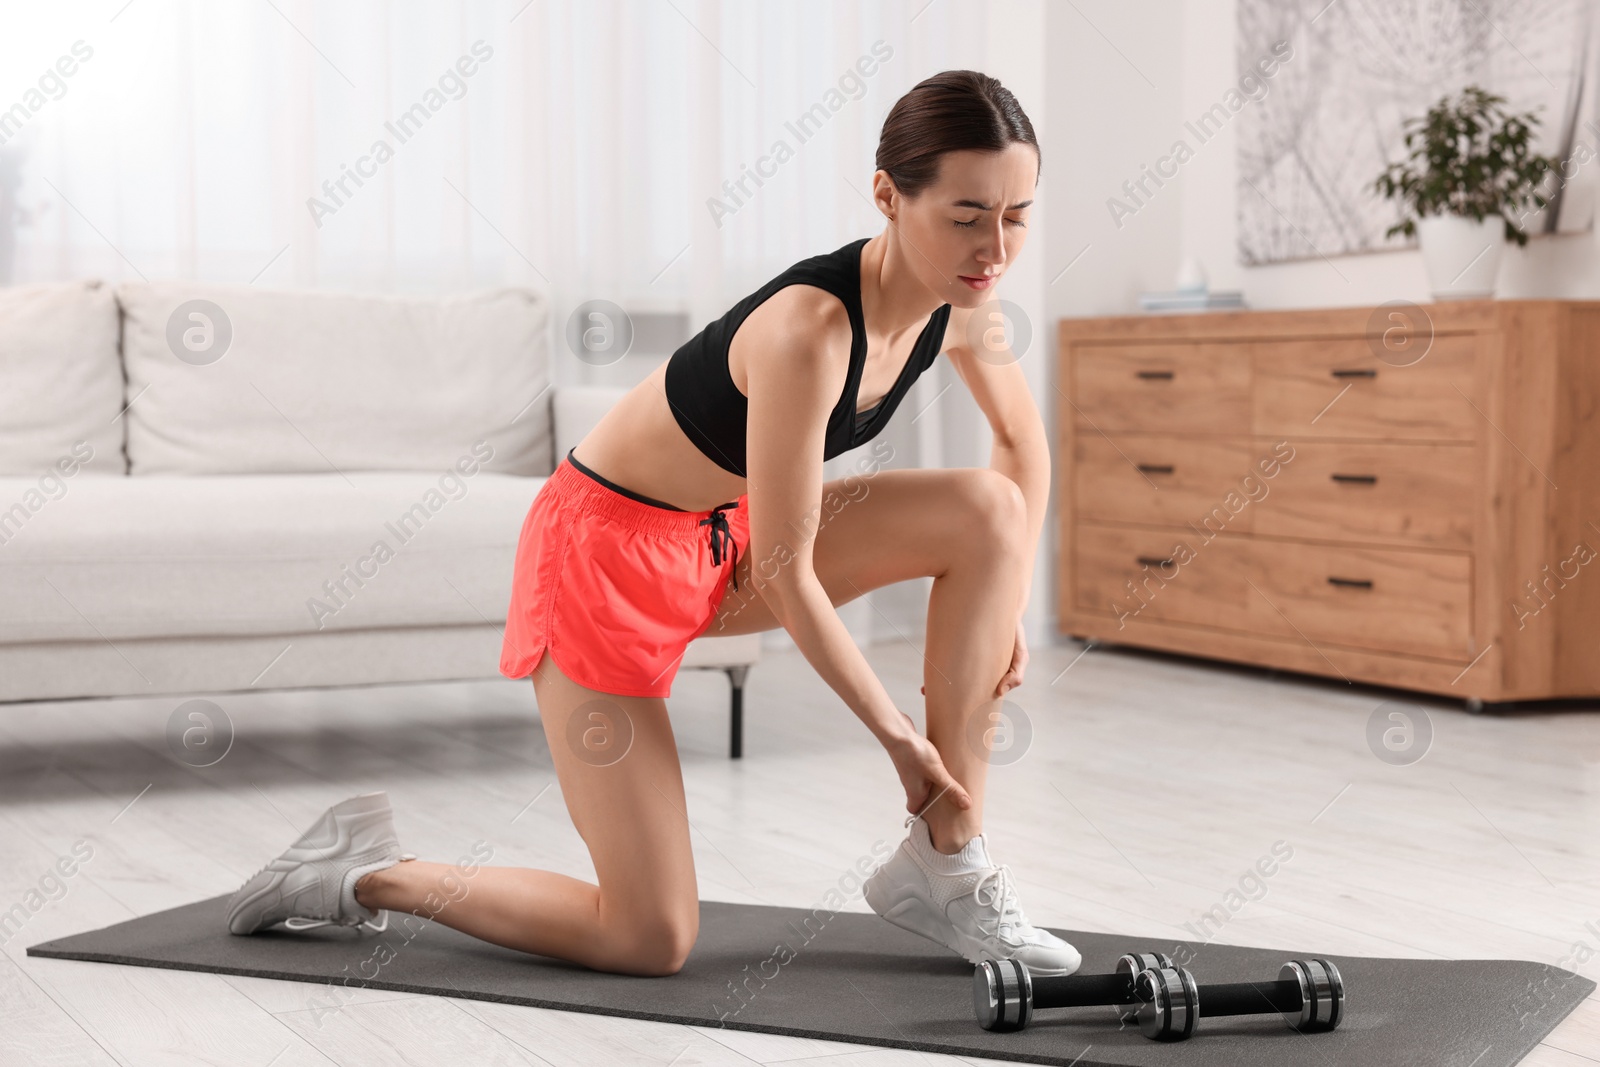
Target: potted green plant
1469	175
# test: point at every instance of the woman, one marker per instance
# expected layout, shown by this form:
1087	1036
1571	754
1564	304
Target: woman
705	481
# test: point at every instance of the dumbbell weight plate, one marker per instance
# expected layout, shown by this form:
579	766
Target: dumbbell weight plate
1002	995
1321	994
1134	964
1170	1003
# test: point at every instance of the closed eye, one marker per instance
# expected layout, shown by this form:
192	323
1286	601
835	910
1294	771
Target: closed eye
974	222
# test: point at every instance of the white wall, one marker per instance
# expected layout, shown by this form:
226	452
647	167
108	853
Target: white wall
1208	190
1562	266
1113	86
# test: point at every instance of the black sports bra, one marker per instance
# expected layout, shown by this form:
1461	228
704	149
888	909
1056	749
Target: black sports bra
713	413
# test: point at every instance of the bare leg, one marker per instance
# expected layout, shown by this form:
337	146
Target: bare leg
967	529
643	916
971	628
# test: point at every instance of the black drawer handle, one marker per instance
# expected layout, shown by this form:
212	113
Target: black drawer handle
1164	375
1357	479
1155	468
1352	583
1355	373
1153	561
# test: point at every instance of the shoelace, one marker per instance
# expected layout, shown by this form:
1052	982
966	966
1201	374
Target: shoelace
1003	892
914	816
1010	912
296	922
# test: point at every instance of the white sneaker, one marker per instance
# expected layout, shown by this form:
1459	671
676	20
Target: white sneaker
964	903
314	883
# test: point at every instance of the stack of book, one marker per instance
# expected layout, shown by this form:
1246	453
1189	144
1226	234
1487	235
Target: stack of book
1179	300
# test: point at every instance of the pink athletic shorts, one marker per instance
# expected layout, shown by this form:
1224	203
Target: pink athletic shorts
616	584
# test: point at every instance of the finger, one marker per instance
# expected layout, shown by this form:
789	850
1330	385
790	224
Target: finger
949	787
937	775
962	798
1014	669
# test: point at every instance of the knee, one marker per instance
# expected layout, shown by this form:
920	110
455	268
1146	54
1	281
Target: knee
659	947
997	506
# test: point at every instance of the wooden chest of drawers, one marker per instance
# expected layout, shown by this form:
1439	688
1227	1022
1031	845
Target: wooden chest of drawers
1405	495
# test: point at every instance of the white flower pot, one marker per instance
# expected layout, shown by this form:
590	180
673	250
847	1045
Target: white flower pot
1462	256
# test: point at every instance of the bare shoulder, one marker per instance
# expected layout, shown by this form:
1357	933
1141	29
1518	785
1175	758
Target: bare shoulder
801	329
801	311
955	330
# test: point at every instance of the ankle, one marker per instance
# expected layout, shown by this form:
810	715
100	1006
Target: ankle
950	837
374	887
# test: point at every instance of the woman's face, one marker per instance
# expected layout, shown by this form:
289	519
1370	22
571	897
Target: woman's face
967	228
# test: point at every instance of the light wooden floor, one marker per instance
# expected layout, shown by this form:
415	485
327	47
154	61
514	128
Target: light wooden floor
1152	784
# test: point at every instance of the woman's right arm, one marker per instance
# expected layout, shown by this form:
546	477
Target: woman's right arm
797	364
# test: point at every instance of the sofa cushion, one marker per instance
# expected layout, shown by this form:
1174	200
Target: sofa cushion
577	409
115	558
60	380
235	379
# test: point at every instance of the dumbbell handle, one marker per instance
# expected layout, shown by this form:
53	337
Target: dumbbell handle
1249	998
1308	993
1082	990
1005	992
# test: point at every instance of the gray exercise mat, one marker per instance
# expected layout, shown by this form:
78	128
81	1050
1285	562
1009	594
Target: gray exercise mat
853	977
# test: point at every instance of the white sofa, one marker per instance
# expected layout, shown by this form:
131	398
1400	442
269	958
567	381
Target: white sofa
272	489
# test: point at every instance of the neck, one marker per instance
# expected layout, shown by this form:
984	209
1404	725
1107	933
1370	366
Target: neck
893	300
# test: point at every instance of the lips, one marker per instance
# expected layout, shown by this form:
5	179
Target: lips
979	281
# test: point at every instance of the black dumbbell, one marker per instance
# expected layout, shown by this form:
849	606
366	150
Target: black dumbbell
1309	994
1004	994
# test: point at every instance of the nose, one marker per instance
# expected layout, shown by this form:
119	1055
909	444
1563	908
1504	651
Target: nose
992	253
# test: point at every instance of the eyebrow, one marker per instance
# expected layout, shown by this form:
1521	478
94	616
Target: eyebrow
985	207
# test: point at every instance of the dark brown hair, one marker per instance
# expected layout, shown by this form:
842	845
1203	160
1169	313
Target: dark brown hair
948	112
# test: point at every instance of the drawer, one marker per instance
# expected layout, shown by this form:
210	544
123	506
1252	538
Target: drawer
1198	388
1384	599
1163	574
1161	480
1417	493
1339	388
1389	600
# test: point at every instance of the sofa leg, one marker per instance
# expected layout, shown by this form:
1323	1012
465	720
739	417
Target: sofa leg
736	675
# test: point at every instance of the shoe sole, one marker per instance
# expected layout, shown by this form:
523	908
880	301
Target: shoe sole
911	912
251	903
915	913
362	804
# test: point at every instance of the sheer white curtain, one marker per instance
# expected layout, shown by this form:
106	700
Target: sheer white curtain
666	155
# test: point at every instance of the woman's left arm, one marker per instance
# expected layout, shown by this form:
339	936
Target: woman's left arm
1021	449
